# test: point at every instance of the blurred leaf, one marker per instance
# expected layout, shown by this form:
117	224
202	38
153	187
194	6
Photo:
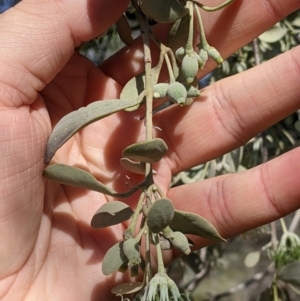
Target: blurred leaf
190	223
266	295
113	259
290	273
124	31
76	120
273	35
111	213
77	177
146	151
127	288
252	259
296	21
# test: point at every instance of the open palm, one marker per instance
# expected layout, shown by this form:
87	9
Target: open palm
48	250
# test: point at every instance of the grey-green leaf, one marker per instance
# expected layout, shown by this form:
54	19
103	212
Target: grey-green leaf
179	33
136	167
160	215
77	177
190	223
146	151
124	30
113	259
127	288
76	120
111	213
290	273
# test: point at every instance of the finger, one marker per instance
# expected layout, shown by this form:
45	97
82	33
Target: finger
227	30
231	111
39	37
240	202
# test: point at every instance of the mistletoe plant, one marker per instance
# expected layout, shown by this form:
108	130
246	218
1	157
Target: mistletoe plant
154	221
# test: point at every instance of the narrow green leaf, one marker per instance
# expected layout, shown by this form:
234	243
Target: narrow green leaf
127	288
290	273
76	120
111	213
74	176
190	223
113	259
146	151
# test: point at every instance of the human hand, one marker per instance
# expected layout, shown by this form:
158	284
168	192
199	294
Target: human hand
48	250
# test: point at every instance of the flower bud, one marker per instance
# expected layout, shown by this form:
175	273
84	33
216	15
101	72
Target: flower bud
177	93
180	242
190	67
179	54
215	55
160	90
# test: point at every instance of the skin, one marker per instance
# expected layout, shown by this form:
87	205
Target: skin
48	250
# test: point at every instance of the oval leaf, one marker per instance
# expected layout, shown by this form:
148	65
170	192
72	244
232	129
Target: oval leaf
146	151
111	213
160	215
167	11
77	177
74	121
113	259
127	288
124	30
290	273
190	223
273	35
136	167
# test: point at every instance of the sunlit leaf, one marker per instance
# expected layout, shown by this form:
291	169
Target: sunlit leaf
124	30
127	288
190	223
77	177
290	273
273	35
160	215
113	259
76	120
146	151
111	213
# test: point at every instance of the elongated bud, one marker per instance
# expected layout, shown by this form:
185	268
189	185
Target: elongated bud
215	55
202	58
180	242
190	67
